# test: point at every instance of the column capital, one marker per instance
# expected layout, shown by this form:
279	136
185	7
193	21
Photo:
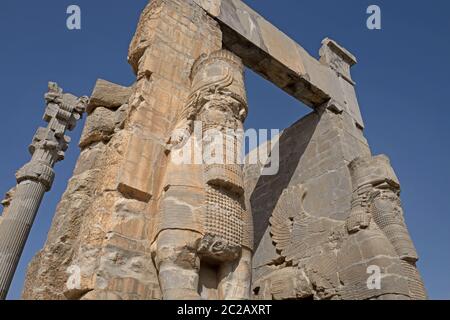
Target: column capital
62	112
36	171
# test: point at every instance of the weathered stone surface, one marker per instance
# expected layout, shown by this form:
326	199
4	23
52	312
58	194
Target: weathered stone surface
47	279
376	194
288	283
100	125
332	263
168	41
133	224
90	158
7	202
85	218
108	95
314	156
114	255
209	209
211	6
314	152
135	179
337	57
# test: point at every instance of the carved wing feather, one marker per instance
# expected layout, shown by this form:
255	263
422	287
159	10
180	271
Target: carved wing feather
298	235
282	217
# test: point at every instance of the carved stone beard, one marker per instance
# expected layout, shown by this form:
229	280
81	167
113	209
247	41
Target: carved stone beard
223	181
388	214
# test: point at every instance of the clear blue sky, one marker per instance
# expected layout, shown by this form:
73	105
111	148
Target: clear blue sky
403	80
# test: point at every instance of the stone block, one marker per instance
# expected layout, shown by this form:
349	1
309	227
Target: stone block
265	253
337	57
100	125
90	158
212	6
109	95
139	172
181	208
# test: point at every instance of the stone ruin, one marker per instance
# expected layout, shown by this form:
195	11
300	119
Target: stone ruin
136	225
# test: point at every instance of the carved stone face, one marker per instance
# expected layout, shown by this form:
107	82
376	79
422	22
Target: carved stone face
219	80
222	110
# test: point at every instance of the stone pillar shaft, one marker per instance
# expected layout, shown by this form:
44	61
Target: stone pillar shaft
35	178
15	228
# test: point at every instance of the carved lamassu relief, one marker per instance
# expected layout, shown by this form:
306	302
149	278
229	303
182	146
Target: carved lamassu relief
219	226
377	195
323	258
306	246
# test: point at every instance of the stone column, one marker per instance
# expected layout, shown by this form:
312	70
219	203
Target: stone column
35	178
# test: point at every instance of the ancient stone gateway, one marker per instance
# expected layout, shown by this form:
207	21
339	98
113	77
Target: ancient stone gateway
134	224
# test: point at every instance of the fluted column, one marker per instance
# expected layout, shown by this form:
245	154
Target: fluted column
35	178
